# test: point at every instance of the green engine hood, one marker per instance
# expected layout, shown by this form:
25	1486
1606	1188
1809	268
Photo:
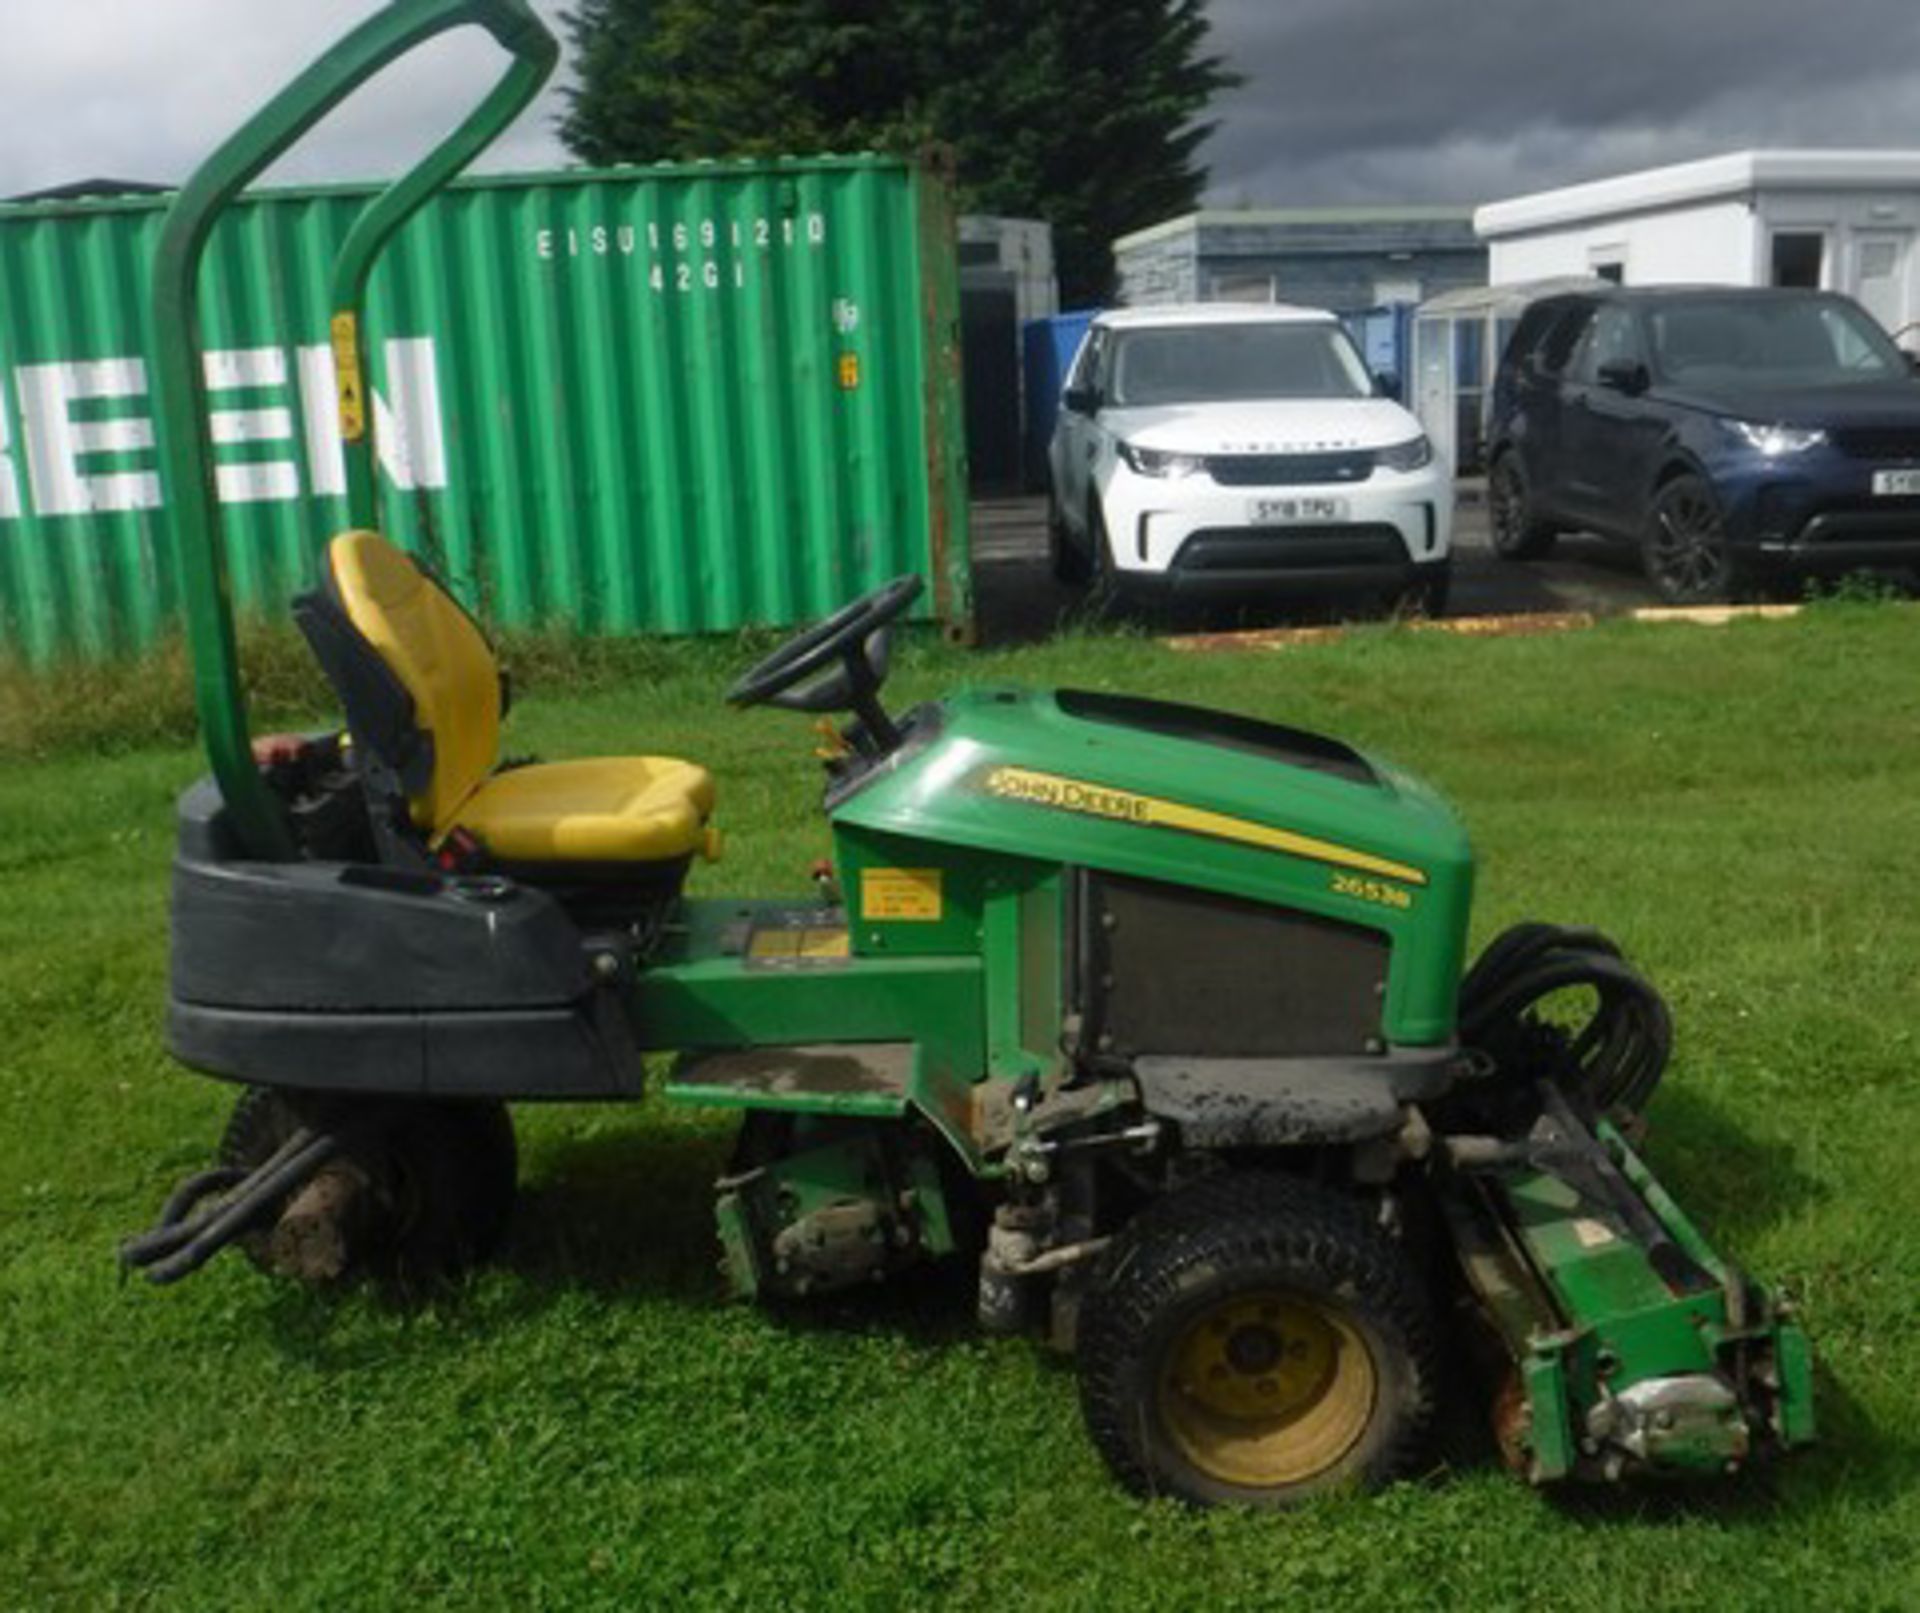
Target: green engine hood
1191	797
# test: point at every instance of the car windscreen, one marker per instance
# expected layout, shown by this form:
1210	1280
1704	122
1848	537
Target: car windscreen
1797	341
1231	363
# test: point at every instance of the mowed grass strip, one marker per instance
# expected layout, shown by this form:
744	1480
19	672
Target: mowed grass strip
590	1424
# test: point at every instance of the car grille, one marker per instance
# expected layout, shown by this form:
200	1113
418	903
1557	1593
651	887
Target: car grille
1290	470
1283	549
1878	442
1849	520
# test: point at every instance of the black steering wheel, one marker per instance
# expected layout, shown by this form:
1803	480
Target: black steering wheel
857	636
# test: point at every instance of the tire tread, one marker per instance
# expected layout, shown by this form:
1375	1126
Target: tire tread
1246	1218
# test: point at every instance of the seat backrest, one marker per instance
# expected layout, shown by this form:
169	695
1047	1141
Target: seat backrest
437	654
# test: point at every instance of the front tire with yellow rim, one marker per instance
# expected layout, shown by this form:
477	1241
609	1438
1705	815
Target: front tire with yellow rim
1256	1339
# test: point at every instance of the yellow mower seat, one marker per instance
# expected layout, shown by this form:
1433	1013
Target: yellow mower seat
603	811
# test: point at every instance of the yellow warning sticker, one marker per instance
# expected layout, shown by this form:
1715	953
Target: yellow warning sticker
905	894
349	388
848	370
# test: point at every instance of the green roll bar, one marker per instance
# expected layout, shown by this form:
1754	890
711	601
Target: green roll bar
179	382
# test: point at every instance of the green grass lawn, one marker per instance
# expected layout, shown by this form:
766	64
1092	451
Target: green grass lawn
590	1424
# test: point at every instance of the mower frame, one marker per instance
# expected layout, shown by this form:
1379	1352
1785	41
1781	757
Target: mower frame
1158	1011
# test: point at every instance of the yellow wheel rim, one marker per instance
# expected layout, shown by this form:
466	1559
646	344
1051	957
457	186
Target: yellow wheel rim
1267	1389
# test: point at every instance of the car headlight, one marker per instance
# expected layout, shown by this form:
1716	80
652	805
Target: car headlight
1774	441
1408	455
1159	462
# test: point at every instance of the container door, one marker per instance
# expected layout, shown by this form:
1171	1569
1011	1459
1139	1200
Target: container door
990	355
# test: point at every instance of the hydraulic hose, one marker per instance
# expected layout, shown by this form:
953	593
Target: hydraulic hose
1616	1058
182	1243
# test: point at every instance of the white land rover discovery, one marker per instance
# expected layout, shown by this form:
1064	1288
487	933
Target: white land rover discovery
1241	452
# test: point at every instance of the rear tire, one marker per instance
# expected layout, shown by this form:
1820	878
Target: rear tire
1256	1340
1514	528
440	1178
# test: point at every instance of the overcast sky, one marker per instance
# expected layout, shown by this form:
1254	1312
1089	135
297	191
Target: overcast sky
141	89
1345	100
1472	100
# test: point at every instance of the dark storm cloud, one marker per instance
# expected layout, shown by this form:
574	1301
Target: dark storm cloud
1424	100
1345	100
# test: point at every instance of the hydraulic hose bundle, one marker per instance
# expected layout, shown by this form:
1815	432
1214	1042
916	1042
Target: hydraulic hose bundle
1615	1058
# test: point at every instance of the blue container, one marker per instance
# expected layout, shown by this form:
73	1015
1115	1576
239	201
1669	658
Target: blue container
1047	349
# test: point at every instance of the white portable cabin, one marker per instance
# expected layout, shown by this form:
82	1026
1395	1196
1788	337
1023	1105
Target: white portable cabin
1457	341
1841	220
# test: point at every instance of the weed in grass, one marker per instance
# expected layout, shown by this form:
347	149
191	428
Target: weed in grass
1860	588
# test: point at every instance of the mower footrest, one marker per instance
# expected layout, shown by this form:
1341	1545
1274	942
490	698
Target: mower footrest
849	1078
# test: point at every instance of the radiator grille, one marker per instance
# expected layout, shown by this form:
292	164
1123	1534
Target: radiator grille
1290	470
1879	442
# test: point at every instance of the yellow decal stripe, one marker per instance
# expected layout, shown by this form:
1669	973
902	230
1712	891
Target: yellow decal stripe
1123	806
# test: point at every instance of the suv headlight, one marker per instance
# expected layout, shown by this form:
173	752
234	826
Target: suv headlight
1773	441
1408	455
1159	462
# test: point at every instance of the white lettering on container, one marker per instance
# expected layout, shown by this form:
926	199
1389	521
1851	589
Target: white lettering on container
253	481
9	477
413	446
408	436
56	442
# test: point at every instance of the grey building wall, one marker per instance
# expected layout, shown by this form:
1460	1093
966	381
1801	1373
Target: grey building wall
1162	271
1321	259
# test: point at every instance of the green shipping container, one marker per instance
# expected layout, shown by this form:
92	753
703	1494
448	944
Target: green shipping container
670	399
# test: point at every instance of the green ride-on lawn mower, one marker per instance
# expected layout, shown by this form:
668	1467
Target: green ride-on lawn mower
1156	1013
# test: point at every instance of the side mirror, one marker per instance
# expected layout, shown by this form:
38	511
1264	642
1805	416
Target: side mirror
1080	400
1386	384
1626	375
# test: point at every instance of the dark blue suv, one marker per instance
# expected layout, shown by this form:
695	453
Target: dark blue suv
1733	436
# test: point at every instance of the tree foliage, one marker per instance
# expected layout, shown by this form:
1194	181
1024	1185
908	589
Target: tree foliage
1087	113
